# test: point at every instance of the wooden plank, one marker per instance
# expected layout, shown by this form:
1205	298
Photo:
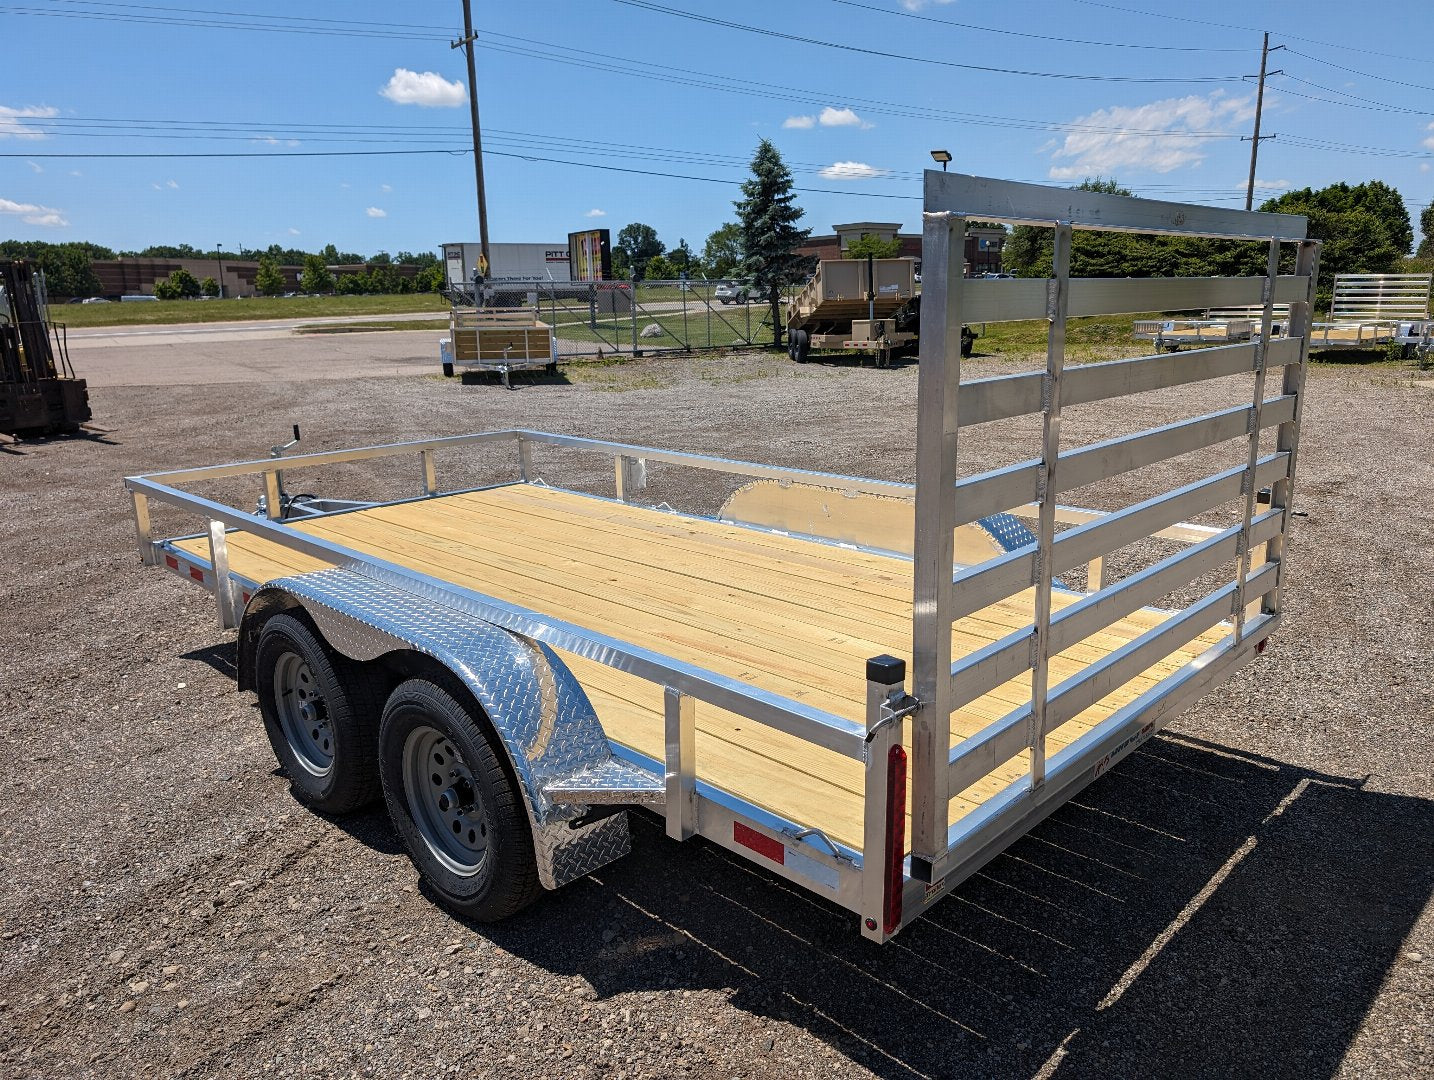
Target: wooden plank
791	616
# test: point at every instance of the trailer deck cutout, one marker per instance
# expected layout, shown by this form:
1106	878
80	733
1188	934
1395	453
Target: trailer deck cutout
744	674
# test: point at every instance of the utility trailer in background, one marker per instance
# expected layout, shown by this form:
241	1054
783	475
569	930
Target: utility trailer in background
1366	310
513	667
854	304
39	394
501	340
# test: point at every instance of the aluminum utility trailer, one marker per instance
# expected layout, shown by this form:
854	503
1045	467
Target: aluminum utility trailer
501	340
1218	326
1366	310
866	688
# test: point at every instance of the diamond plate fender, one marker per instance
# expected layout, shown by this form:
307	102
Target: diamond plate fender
539	710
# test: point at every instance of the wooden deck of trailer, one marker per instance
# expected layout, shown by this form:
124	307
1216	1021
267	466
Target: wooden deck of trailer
791	616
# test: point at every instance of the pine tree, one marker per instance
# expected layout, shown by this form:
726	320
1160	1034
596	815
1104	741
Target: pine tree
768	216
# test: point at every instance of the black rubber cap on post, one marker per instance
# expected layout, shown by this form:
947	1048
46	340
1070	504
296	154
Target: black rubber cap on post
886	669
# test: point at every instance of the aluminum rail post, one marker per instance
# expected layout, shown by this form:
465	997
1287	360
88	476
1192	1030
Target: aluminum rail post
1242	542
884	823
143	530
223	585
430	474
1287	439
933	545
1057	306
681	770
525	459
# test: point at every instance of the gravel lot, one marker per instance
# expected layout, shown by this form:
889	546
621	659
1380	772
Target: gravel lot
1248	895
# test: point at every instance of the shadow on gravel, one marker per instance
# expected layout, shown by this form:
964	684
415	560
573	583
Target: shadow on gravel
223	658
1206	912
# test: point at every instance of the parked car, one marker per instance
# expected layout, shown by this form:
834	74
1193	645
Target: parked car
733	292
1002	276
94	300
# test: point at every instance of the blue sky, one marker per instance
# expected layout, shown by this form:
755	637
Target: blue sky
627	85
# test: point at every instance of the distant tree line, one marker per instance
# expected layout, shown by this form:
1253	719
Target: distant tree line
68	270
1365	228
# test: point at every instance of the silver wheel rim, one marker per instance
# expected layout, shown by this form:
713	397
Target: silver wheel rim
303	714
444	802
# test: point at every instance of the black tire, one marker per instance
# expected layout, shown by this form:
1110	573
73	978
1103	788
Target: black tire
469	767
968	342
335	768
801	345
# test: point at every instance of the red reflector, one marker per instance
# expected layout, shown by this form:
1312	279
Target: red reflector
1260	646
196	573
762	845
171	562
246	598
895	838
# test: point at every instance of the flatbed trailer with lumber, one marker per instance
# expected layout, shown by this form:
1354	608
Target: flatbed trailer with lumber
867	688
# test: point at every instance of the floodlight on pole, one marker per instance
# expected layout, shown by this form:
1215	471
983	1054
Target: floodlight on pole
943	156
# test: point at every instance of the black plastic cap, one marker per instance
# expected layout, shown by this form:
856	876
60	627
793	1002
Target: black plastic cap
886	669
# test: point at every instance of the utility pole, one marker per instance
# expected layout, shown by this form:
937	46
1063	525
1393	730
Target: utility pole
466	43
1259	108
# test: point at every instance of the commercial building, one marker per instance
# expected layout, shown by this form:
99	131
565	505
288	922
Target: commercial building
983	243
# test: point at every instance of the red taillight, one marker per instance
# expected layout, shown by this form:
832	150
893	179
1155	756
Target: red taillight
894	879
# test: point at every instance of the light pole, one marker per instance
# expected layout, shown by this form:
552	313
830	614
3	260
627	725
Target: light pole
219	258
943	156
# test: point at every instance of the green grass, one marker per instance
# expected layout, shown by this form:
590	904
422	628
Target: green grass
372	327
161	312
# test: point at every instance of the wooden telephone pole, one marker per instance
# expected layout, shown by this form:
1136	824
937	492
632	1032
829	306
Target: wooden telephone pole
466	43
1259	108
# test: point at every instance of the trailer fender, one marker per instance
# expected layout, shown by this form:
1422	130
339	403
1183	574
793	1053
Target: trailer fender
540	712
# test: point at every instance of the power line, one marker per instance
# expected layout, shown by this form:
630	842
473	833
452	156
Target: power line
1037	37
1370	104
1253	30
213	24
1364	74
644	5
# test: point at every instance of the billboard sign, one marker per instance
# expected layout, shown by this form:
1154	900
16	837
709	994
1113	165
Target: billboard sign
590	255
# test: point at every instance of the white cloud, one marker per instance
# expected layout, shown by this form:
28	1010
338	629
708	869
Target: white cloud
840	118
828	117
917	5
1424	166
1428	143
76	172
293	231
269	140
427	88
385	188
1267	185
1175	120
33	214
851	170
595	212
11	127
170	184
36	166
374	211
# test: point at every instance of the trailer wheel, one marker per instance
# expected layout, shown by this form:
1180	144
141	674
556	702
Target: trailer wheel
801	345
321	715
454	804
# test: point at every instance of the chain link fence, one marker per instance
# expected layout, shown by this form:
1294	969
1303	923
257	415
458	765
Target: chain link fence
637	318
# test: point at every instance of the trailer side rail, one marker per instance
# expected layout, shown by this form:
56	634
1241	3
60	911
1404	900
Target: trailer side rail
1249	602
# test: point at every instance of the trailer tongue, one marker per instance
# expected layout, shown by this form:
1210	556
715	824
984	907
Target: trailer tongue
868	688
